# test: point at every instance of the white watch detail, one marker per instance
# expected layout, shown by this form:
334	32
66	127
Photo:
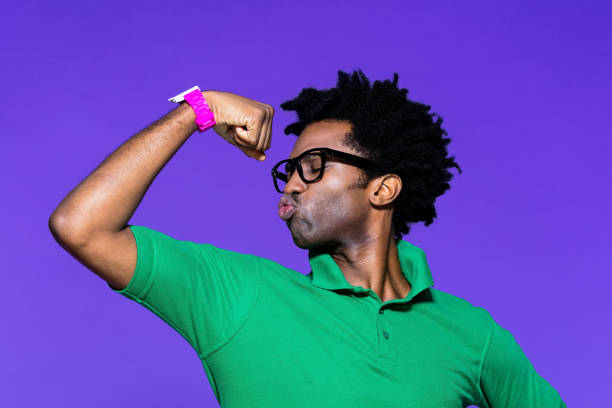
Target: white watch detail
205	118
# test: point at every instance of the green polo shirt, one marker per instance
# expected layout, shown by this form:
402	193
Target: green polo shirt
269	336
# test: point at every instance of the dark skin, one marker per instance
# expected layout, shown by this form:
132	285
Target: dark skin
351	223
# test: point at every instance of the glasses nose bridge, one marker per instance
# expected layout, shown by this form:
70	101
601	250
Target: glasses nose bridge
296	172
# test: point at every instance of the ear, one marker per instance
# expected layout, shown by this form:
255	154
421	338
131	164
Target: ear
385	189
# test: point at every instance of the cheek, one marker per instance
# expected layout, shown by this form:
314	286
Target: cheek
330	203
335	207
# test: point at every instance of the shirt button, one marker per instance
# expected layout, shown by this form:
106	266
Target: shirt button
381	311
386	335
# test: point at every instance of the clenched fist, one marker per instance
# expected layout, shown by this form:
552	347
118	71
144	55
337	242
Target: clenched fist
243	122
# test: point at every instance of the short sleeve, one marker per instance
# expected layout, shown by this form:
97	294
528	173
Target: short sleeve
205	293
507	377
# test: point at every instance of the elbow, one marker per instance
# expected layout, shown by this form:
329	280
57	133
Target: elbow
63	231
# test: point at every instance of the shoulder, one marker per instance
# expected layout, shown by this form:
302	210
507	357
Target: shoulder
269	268
454	308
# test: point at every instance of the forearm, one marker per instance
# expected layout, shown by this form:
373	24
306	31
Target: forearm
106	200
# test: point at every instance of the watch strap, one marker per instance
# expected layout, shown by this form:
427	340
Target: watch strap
205	118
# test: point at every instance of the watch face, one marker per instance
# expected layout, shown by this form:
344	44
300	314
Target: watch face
176	99
181	97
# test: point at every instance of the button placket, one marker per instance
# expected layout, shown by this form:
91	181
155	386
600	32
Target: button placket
385	349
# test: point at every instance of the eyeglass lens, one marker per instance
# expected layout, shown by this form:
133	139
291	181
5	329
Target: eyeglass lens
311	168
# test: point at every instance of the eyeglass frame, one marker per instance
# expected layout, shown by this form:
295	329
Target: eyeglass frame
296	163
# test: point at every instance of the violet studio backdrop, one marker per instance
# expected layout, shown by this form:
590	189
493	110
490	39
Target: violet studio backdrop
524	232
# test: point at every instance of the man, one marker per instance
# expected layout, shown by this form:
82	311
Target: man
364	328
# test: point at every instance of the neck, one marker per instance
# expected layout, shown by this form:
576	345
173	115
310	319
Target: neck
373	263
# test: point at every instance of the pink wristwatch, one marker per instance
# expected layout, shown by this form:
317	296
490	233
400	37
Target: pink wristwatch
205	118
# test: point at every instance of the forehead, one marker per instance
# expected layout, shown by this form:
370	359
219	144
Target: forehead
325	133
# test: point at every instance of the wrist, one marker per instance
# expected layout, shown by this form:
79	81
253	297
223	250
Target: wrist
209	97
196	99
187	115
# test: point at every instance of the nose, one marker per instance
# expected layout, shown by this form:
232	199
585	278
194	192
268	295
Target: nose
294	184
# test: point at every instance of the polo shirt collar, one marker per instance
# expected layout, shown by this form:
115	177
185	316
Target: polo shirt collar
327	274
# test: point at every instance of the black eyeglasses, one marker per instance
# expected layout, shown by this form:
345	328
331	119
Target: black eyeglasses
310	165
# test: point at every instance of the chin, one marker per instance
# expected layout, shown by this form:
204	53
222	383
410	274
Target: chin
303	242
301	245
298	239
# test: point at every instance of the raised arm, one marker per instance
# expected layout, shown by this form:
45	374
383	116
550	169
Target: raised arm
91	221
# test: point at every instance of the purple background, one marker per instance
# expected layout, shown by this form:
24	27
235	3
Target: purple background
523	232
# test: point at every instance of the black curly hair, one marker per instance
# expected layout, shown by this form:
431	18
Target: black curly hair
399	134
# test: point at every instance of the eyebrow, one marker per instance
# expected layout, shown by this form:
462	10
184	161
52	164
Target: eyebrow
321	147
305	150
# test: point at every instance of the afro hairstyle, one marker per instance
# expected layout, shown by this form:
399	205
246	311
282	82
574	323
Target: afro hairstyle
399	134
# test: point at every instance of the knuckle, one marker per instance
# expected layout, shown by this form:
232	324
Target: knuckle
248	141
261	116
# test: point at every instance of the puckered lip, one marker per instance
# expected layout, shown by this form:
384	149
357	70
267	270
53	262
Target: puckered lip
286	200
